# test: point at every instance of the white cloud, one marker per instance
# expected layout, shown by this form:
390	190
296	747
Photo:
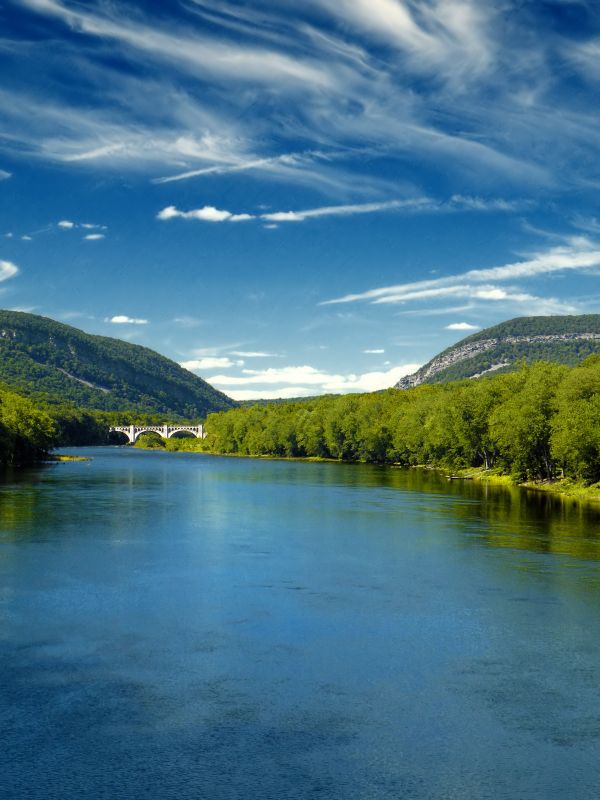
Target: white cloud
461	326
67	225
205	214
7	270
210	362
311	380
94	237
122	319
26	238
375	351
4	175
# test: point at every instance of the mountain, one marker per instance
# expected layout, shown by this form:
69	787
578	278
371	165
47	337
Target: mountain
42	358
566	340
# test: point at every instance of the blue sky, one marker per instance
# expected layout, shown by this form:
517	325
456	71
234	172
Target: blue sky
295	198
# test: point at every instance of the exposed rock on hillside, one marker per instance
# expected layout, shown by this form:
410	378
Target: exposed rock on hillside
566	340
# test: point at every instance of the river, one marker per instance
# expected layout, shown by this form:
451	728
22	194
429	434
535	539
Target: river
185	626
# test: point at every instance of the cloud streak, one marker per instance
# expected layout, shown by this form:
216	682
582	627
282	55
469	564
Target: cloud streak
409	205
578	254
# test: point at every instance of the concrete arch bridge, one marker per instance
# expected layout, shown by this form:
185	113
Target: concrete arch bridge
133	432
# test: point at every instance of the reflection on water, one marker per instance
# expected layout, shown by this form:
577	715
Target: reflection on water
513	517
176	625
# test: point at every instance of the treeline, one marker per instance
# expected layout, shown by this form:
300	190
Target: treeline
540	422
31	428
26	432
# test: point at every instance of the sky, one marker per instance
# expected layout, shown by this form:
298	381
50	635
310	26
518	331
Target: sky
299	198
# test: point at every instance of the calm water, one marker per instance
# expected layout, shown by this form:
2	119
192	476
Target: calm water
181	626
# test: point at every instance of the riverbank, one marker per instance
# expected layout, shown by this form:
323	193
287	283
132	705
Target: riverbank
564	487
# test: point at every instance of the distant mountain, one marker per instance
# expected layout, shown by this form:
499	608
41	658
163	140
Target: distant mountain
40	357
566	340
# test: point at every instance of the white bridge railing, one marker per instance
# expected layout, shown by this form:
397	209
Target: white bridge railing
166	431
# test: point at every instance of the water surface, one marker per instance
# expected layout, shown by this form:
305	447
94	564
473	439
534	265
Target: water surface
184	626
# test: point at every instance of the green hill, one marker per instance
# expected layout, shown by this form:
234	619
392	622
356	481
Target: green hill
56	363
565	340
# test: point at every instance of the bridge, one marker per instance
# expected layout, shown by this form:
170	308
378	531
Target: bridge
166	431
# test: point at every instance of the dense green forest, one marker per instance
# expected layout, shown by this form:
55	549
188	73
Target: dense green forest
53	363
538	423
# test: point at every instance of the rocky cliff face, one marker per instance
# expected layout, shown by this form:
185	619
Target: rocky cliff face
496	347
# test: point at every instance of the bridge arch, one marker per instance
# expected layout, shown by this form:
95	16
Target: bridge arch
133	432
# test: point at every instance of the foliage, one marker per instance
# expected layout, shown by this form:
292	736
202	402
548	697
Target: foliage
531	424
56	363
26	432
150	441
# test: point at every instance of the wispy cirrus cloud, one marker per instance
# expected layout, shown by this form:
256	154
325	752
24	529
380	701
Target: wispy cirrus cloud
379	79
197	53
4	175
579	254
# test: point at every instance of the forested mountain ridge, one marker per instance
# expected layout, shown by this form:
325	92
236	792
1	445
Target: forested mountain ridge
561	339
57	363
